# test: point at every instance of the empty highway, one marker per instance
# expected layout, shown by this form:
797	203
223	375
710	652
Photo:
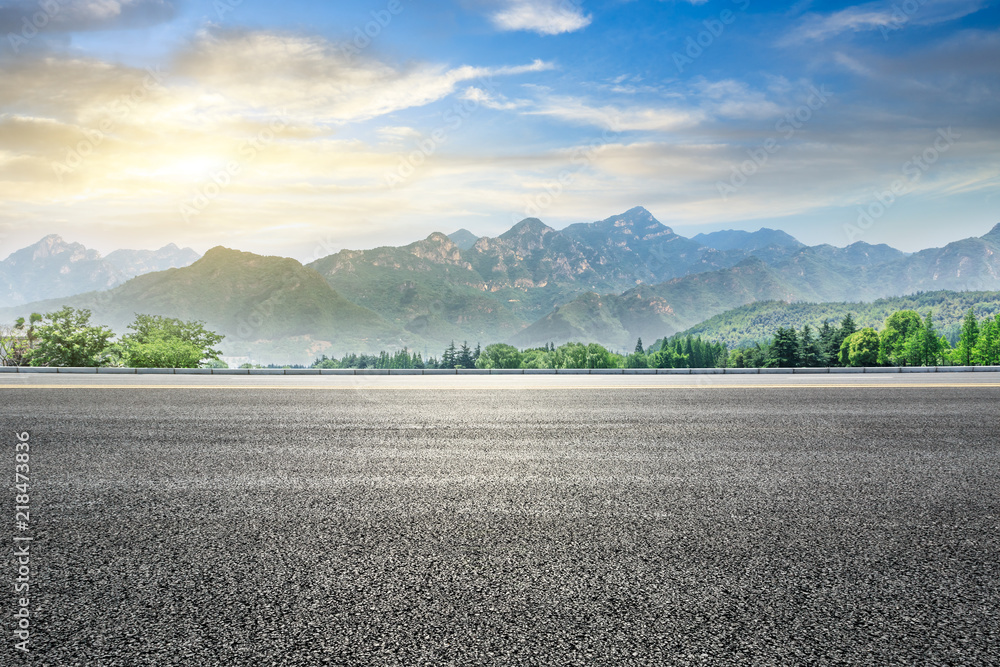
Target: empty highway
507	520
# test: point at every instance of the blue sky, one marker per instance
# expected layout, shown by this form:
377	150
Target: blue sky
284	128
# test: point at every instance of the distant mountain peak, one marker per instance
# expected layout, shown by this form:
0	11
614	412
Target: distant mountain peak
635	221
438	248
993	234
463	238
528	226
49	246
638	214
738	239
221	251
438	237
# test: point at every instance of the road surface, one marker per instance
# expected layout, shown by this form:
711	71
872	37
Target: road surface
508	520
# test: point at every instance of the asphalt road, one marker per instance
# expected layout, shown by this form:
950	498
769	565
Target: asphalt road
507	520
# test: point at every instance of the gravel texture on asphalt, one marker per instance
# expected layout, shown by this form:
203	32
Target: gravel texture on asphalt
474	527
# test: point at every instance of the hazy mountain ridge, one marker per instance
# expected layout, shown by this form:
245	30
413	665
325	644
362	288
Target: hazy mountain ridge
463	238
532	284
517	277
816	274
271	308
53	268
738	239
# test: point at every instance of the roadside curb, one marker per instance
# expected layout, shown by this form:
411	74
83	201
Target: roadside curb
499	371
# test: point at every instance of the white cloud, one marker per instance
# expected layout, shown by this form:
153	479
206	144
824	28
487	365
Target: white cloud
491	101
882	15
734	99
398	132
311	77
546	17
615	118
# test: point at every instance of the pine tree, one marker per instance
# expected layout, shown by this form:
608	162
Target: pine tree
785	348
931	345
847	327
464	358
638	346
448	359
828	344
809	353
967	341
987	350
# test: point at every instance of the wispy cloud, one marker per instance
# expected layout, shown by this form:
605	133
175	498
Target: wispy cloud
310	76
880	15
546	17
492	100
617	118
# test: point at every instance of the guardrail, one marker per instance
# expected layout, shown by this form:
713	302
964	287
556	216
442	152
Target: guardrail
497	371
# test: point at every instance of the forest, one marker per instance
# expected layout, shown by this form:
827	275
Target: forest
67	338
905	339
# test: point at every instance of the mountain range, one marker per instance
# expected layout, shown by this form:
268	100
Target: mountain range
53	268
817	274
609	281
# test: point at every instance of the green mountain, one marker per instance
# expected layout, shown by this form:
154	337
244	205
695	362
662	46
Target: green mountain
635	247
609	281
270	308
490	289
757	322
813	274
650	311
427	288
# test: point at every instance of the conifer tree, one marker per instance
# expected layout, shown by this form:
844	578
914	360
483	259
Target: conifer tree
967	341
448	359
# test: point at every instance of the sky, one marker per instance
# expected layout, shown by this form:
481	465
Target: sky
301	128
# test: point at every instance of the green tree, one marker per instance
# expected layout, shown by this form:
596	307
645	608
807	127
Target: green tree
166	342
847	327
499	355
540	357
829	344
16	341
931	343
666	357
66	338
785	348
896	331
987	349
636	360
29	333
638	346
809	354
464	358
449	358
968	339
863	347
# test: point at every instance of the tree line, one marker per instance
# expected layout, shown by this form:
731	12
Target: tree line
906	339
67	338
